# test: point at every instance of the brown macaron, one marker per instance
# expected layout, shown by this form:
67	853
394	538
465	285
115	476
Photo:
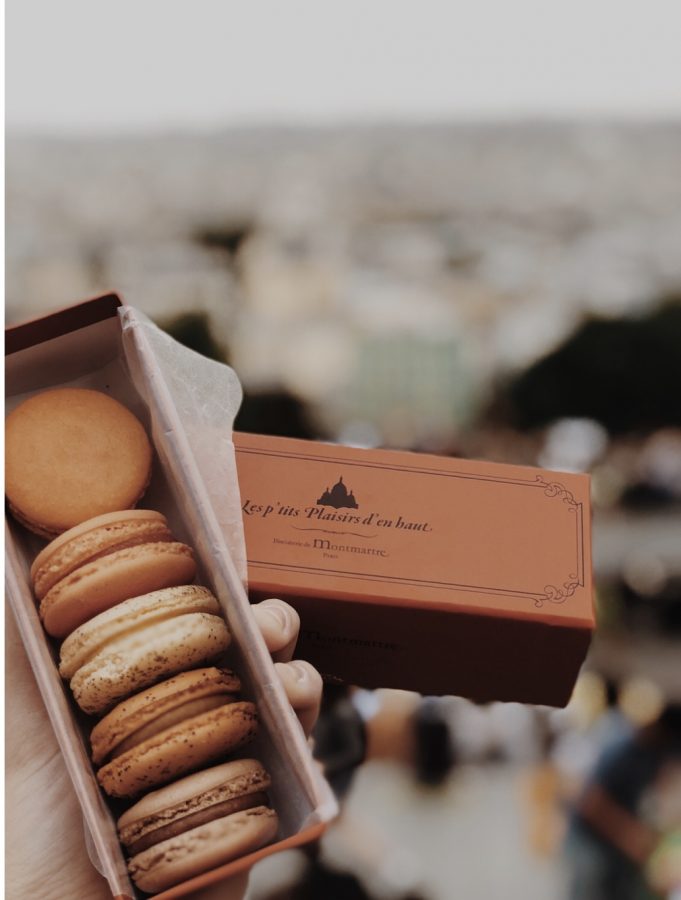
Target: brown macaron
106	560
192	801
71	454
171	729
203	848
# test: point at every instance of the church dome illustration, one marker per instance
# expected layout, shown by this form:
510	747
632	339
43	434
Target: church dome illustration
338	496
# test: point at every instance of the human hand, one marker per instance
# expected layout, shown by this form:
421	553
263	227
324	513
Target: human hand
45	849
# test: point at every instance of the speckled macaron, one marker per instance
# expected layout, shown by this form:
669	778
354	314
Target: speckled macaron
71	454
170	729
140	641
104	561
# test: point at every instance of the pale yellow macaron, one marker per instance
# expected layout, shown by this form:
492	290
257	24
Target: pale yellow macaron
101	562
140	641
93	538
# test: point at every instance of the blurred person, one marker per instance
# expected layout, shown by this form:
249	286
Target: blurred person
542	792
518	730
341	745
575	751
610	837
434	754
390	735
664	867
474	732
340	737
612	725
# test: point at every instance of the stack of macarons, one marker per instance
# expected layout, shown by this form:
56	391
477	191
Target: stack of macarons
142	645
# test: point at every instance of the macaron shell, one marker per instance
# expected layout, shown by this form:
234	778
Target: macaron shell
71	454
147	706
28	523
92	637
92	539
203	848
107	581
176	751
146	656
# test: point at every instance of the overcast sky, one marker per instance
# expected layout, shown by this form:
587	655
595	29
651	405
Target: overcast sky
90	65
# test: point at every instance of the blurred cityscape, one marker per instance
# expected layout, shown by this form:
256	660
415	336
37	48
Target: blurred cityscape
509	292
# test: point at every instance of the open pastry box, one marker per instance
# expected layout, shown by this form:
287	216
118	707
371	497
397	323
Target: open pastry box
104	345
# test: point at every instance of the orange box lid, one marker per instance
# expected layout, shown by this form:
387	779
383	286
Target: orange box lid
394	527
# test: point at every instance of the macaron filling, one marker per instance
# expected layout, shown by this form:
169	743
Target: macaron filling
192	801
158	830
169	719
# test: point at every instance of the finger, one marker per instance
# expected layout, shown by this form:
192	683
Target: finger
279	624
303	686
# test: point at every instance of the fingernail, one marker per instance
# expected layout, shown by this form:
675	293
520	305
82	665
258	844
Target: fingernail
300	671
280	615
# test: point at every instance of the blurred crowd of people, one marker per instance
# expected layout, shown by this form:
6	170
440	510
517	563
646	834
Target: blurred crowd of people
601	785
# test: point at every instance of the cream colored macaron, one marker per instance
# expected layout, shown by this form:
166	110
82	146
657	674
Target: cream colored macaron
140	641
